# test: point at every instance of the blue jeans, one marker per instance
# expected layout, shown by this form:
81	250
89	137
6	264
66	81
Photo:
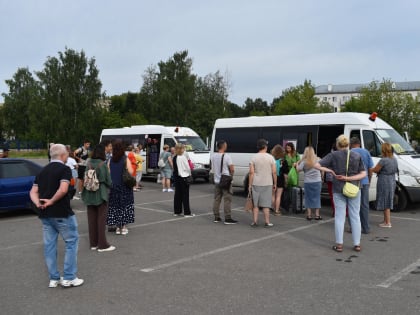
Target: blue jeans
353	204
67	228
364	208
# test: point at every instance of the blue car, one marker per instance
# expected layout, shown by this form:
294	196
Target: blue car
16	180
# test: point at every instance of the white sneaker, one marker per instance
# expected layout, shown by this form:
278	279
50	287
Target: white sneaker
164	190
55	283
109	249
93	248
124	231
76	282
189	215
170	190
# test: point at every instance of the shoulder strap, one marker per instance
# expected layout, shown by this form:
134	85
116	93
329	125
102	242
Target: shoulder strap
175	164
348	158
221	164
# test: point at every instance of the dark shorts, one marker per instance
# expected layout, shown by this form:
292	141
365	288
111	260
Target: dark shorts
81	172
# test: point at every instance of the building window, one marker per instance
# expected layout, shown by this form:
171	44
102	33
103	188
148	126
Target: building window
325	98
334	99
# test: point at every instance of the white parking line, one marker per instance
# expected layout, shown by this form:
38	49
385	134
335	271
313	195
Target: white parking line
133	226
153	210
171	200
400	274
227	248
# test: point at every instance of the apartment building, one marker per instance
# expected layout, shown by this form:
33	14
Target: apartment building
337	95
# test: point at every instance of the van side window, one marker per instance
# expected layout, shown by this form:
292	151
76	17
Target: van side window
355	133
239	140
372	143
170	142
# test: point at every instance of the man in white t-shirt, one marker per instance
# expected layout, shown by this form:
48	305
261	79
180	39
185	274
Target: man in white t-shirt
219	193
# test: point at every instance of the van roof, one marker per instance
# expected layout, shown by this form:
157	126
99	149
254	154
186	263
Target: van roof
140	129
302	120
182	131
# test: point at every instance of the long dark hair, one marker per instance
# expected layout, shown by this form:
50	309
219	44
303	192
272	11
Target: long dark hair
118	151
99	152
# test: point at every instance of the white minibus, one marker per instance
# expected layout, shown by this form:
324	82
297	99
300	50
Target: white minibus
197	150
320	131
152	137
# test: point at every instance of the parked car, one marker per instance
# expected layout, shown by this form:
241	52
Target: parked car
16	180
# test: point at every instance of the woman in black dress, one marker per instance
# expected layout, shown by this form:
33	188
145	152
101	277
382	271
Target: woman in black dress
121	197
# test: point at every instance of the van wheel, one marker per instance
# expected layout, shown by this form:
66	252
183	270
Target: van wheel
400	200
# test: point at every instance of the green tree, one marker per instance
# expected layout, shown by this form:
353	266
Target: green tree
299	99
397	108
23	97
71	93
210	102
173	95
257	107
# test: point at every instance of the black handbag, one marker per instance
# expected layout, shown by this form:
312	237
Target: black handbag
189	180
225	180
127	179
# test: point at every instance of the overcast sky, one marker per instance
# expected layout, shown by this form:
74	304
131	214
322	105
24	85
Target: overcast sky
265	46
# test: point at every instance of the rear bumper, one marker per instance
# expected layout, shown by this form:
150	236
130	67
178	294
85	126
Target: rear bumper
413	193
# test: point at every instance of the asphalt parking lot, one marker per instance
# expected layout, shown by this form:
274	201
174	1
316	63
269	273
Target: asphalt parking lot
171	265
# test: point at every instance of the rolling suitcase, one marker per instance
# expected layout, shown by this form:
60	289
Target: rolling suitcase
298	199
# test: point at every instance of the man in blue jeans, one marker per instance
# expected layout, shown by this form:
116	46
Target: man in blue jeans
50	196
364	183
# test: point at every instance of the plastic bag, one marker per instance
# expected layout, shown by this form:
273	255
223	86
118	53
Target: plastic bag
292	178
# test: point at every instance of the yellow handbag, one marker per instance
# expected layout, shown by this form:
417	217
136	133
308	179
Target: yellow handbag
350	190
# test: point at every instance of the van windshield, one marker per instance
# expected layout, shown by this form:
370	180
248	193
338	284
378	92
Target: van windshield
394	138
192	143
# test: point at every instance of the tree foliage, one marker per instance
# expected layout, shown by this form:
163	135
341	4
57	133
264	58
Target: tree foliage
299	99
61	105
397	108
257	107
173	95
19	104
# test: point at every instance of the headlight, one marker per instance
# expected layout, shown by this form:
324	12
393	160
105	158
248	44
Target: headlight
198	165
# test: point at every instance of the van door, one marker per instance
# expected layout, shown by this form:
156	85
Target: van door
327	137
371	143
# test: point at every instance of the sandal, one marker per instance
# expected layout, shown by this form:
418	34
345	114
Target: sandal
338	248
277	213
318	217
357	248
309	218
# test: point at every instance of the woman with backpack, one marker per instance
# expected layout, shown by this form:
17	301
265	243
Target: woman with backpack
121	197
95	196
282	169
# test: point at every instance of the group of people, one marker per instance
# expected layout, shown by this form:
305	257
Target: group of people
268	178
112	203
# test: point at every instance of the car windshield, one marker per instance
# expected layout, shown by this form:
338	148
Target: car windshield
193	143
394	138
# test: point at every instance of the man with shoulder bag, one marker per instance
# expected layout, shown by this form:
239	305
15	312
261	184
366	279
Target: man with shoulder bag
223	169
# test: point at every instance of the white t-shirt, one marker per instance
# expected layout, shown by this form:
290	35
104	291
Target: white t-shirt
216	160
183	166
263	169
71	163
